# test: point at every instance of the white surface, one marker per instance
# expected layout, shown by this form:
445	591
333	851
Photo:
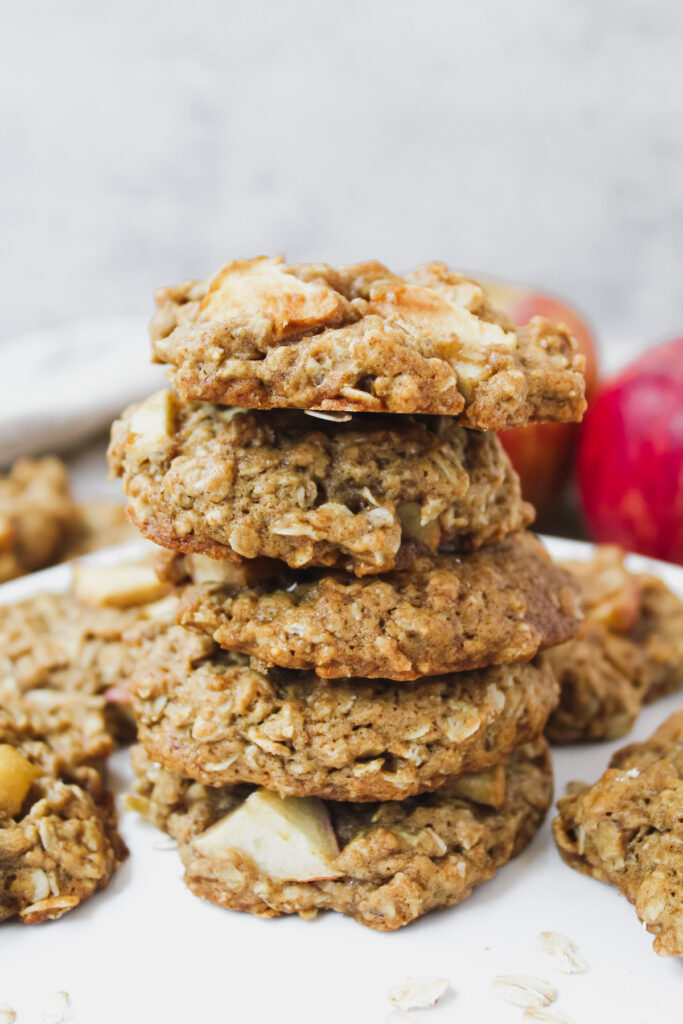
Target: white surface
148	142
146	950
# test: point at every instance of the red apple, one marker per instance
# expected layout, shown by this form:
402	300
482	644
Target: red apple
542	453
630	459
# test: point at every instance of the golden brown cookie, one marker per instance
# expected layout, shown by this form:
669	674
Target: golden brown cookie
58	825
66	657
357	495
262	334
56	851
385	864
209	715
629	650
627	829
38	519
447	613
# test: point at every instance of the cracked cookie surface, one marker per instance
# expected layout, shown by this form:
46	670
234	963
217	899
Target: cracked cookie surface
447	613
209	715
262	334
359	495
396	861
627	830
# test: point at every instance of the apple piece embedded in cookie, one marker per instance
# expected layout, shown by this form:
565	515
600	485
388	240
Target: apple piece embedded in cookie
288	838
16	776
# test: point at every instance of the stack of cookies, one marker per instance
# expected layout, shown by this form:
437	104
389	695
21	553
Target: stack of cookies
347	714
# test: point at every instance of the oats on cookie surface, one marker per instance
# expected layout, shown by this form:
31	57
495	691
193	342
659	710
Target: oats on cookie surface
262	334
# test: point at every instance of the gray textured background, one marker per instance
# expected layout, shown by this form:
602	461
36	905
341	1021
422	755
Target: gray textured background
145	142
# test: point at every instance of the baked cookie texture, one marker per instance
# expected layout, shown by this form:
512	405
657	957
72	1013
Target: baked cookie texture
264	334
211	716
38	519
61	655
56	853
63	665
447	613
59	842
396	862
628	651
357	495
627	829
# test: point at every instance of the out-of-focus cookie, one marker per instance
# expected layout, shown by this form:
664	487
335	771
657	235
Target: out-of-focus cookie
628	651
262	334
71	654
38	518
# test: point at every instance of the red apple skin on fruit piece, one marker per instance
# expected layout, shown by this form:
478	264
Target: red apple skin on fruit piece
630	460
542	453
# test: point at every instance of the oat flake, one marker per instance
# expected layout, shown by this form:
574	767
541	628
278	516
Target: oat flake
523	990
562	952
418	993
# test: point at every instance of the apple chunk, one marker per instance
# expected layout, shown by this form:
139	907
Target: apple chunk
16	777
117	586
486	788
288	838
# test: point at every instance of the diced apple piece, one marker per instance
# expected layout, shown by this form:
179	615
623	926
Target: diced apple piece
288	838
231	574
154	420
16	776
213	570
487	788
428	534
164	611
117	586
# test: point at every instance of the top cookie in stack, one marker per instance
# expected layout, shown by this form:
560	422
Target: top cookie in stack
264	335
352	520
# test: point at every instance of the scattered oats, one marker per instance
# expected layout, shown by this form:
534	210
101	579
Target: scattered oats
539	1014
562	952
633	773
7	1014
400	1017
165	843
417	993
61	1012
523	990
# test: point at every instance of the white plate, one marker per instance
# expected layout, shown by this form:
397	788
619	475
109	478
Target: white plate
146	951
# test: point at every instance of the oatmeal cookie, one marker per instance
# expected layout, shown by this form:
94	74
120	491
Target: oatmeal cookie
627	829
358	495
72	725
211	716
38	518
629	650
64	656
394	861
55	852
447	613
262	334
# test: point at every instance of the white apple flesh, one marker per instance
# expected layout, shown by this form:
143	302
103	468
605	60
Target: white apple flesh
288	838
